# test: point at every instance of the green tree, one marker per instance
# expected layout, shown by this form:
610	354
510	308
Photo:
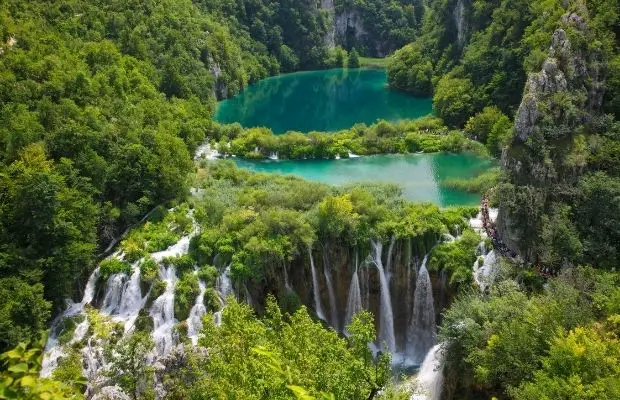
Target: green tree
129	365
454	101
23	313
583	364
19	377
354	59
246	349
411	71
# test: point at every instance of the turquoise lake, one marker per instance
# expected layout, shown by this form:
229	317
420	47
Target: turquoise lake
326	100
419	175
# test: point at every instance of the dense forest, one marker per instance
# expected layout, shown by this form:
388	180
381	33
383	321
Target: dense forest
104	104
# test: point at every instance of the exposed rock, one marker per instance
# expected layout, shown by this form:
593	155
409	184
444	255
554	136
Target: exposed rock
460	22
330	36
110	393
220	89
349	22
556	102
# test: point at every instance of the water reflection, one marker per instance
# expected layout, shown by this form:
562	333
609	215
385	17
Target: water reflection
419	175
321	100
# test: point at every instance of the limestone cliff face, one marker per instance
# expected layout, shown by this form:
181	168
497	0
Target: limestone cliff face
557	101
400	263
460	22
330	37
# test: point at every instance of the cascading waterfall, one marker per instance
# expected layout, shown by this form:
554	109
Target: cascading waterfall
131	301
287	284
354	302
422	329
429	380
248	296
366	273
113	293
194	321
315	288
53	350
223	284
386	321
388	265
80	331
162	312
484	274
332	298
92	355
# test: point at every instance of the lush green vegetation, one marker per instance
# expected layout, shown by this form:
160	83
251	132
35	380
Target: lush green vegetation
278	351
102	104
19	378
557	342
499	43
427	135
372	62
378	27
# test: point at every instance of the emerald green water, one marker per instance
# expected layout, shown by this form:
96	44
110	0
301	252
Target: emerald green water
326	100
419	175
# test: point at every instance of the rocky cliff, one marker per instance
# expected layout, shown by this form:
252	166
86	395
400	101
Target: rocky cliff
543	160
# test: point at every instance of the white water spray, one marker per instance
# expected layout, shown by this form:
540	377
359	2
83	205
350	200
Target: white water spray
194	321
162	312
315	288
354	302
53	349
386	321
422	329
332	298
429	380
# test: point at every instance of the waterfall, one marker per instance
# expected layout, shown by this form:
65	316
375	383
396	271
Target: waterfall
287	284
332	298
92	355
217	318
178	249
162	312
248	296
53	351
131	301
429	380
386	321
484	274
354	302
388	268
194	321
422	328
223	284
318	308
80	331
113	293
459	21
89	290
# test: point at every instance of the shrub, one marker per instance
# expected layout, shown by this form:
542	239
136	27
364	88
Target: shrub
113	266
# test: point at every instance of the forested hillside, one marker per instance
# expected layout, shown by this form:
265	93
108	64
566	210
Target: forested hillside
104	104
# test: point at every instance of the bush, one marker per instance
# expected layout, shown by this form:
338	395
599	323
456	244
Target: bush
354	59
411	71
208	274
184	263
453	100
186	291
149	271
112	266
